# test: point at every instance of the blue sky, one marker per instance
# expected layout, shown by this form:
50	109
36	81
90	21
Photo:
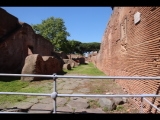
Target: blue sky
85	24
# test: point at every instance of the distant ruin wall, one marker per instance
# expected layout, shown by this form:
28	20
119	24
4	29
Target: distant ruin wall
130	49
17	41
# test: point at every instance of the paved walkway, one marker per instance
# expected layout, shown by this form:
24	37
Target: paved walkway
43	104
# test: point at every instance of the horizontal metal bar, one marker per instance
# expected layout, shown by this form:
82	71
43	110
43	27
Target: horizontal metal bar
151	104
86	77
26	75
108	77
21	93
80	95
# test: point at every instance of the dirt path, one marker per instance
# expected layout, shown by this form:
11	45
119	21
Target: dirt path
42	104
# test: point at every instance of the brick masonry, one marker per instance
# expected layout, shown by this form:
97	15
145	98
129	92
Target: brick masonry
17	41
130	49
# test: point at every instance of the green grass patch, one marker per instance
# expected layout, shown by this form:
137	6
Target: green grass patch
120	108
11	85
86	69
93	104
105	109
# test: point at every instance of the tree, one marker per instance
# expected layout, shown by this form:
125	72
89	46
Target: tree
73	46
94	46
54	30
88	47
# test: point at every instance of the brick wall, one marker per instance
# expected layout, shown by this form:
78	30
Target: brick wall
129	49
17	41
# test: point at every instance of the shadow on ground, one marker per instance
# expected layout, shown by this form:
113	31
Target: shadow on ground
9	78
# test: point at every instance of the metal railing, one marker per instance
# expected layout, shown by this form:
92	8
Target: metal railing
54	94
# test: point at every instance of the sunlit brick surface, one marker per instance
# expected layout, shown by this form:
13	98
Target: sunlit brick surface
130	49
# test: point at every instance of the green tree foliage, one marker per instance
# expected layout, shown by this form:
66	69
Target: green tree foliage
54	30
88	47
73	46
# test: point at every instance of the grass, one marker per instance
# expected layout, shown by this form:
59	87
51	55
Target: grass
11	85
105	109
120	108
86	69
93	104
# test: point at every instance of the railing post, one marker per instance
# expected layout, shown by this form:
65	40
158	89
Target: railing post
141	104
54	95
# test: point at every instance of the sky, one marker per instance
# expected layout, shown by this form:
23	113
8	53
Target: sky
85	24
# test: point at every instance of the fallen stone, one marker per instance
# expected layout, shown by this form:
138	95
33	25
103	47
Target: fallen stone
30	66
5	105
77	104
64	109
23	105
67	66
11	110
43	107
37	64
72	65
70	61
39	111
118	101
61	101
97	110
66	61
107	103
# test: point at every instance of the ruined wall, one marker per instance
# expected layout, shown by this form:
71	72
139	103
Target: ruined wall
8	22
37	64
18	40
62	54
130	49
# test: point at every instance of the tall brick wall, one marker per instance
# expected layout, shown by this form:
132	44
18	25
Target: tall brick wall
129	49
17	41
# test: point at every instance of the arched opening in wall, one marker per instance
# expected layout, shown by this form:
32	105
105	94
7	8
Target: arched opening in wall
30	50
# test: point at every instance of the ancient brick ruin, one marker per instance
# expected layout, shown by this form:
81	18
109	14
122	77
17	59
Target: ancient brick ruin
37	64
17	41
131	47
